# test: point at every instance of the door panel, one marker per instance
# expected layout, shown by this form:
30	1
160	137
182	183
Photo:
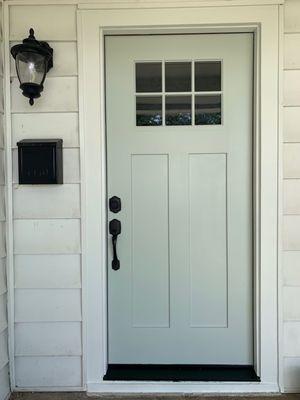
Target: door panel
179	155
150	241
208	240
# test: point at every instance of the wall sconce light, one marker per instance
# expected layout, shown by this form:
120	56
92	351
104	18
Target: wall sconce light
33	60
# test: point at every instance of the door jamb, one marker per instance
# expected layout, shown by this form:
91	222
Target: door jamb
92	26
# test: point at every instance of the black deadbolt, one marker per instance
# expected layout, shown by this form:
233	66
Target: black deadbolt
115	204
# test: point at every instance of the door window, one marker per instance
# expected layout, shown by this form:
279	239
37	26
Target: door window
178	76
208	109
148	110
178	93
178	110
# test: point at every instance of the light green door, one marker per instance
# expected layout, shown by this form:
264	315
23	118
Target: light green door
179	156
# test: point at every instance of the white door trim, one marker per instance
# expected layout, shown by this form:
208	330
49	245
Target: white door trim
92	26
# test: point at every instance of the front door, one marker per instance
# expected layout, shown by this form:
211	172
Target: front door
179	158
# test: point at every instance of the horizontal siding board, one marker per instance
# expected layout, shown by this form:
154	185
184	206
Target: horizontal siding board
291	307
291	123
48	339
1	130
292	16
71	163
71	166
291	337
3	348
291	229
47	271
56	201
60	125
291	268
50	22
291	160
3	286
48	372
40	305
291	88
1	97
57	236
2	239
291	371
60	94
3	312
291	196
2	203
1	50
292	51
65	59
2	167
4	383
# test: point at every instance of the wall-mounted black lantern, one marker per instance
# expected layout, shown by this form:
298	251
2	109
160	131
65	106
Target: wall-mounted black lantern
33	61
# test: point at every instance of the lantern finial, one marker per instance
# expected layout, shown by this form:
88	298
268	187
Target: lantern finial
31	33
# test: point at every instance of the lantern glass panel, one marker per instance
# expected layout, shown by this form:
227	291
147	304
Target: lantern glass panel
31	67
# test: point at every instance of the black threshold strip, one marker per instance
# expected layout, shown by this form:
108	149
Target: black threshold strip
176	373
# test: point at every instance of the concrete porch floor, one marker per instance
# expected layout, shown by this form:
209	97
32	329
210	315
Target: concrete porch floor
83	396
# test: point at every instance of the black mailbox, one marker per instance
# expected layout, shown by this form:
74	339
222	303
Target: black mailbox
40	161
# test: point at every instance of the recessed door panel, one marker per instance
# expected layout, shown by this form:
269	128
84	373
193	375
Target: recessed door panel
208	240
150	240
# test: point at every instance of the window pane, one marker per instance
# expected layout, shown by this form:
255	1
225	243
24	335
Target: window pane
208	76
208	110
178	76
178	110
148	110
148	77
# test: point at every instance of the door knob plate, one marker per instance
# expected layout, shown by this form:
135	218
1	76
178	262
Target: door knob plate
115	204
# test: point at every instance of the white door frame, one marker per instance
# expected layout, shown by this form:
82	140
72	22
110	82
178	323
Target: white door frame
96	20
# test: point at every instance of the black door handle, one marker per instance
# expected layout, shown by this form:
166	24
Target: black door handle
115	230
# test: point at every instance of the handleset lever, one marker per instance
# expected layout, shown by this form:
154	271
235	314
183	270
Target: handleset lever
115	230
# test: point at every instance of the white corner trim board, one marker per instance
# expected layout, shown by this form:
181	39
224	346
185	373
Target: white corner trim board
92	26
8	202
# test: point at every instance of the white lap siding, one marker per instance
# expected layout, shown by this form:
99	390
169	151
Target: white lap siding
291	197
47	225
4	374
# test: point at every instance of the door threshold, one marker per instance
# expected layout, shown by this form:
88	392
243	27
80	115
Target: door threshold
180	373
